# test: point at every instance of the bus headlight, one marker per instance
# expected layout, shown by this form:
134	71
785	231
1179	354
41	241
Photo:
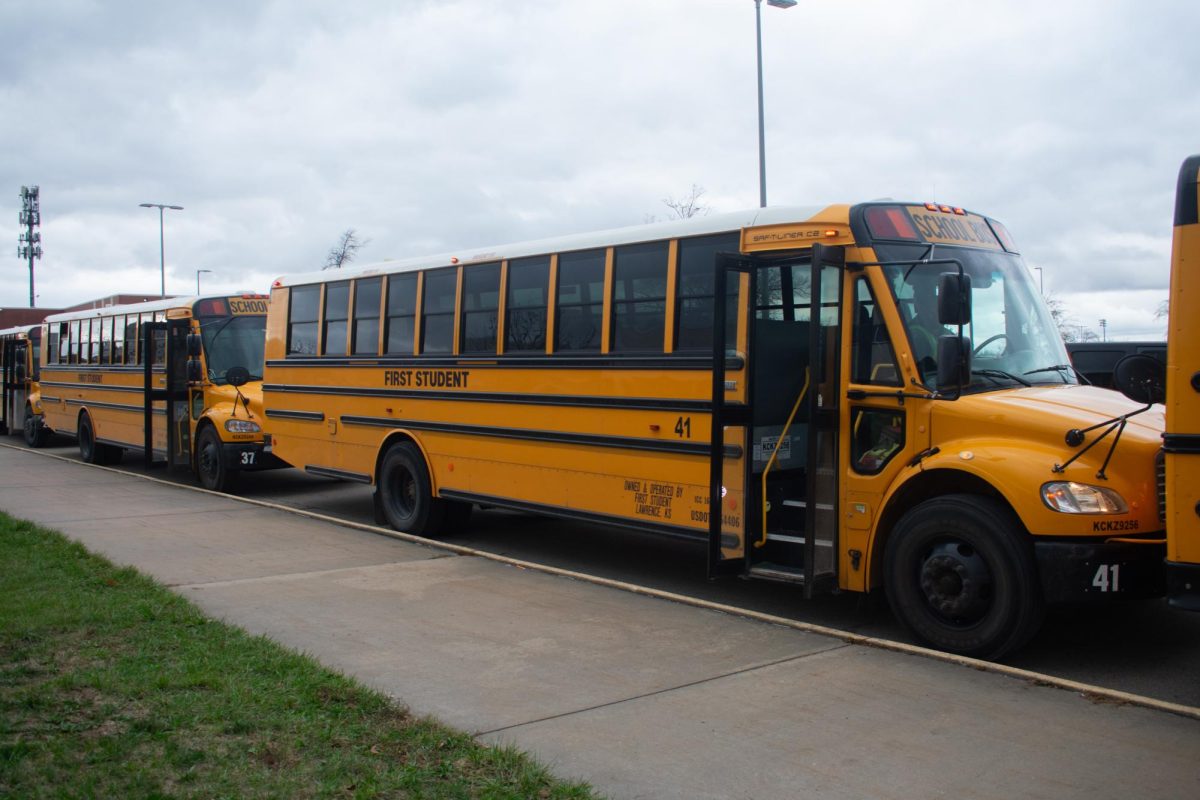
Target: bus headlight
242	426
1080	498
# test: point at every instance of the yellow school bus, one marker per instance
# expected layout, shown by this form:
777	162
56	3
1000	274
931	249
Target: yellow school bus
849	397
178	379
20	396
1181	442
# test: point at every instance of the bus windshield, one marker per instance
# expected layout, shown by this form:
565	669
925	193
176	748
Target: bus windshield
1012	336
234	342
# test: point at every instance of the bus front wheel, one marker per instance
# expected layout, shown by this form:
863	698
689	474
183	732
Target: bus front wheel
960	575
405	492
211	468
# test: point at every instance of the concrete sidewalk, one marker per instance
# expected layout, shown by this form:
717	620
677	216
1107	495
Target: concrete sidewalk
641	697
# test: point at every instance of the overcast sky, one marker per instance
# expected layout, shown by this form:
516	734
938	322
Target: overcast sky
438	125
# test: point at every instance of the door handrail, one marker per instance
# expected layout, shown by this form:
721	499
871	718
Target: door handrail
775	453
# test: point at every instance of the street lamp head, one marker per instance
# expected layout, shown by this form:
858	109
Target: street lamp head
782	3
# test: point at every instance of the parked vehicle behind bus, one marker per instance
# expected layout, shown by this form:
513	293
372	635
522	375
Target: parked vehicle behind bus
850	397
20	401
1096	361
178	379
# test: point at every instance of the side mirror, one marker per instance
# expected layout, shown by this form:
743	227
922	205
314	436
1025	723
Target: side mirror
954	299
1143	379
194	344
195	374
237	376
954	362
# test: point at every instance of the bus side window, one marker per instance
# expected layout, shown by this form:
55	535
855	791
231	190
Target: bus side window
106	335
872	357
302	320
132	356
401	314
118	340
528	288
480	308
877	435
337	316
73	353
695	293
367	297
579	307
53	343
639	297
437	312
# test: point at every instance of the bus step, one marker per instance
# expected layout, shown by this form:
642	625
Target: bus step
795	537
804	504
780	573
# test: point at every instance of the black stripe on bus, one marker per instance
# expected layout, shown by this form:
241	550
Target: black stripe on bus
680	362
96	404
107	387
1187	212
1182	443
340	474
674	531
307	416
555	437
512	398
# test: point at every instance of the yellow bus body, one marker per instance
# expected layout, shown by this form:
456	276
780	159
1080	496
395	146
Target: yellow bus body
878	463
95	384
21	400
1183	396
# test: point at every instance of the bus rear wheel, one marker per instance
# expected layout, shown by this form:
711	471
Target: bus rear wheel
36	432
211	468
960	575
91	451
405	494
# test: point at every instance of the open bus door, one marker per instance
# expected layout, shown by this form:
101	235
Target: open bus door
167	431
775	420
15	390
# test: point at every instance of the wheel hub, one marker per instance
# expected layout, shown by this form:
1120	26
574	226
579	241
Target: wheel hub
956	582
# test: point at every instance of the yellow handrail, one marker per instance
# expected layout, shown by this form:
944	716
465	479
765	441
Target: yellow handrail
775	454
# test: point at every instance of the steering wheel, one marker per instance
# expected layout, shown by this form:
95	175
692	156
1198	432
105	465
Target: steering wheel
989	340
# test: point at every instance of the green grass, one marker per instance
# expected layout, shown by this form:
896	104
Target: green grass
111	686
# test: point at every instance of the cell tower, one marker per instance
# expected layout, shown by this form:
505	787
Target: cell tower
29	241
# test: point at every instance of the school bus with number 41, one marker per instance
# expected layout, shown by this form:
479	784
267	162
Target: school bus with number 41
858	397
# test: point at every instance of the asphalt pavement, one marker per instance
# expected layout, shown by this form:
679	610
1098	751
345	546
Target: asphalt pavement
641	696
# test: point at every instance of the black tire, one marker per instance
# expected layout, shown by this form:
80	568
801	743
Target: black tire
211	469
960	575
91	451
35	431
405	492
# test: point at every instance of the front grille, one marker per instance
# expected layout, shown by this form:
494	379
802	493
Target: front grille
1160	484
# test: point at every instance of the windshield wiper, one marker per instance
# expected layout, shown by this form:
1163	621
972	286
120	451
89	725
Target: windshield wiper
1061	369
999	373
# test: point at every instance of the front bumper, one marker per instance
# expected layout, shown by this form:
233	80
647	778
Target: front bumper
249	456
1099	572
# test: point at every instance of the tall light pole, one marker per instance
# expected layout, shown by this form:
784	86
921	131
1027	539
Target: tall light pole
762	136
209	271
1104	330
162	256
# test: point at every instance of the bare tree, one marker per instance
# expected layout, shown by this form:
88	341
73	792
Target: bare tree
685	207
345	250
1068	326
689	206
